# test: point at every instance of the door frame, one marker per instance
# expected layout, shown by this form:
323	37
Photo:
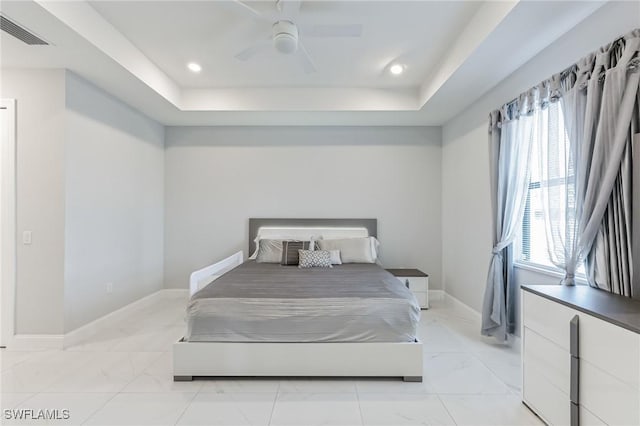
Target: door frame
635	224
8	218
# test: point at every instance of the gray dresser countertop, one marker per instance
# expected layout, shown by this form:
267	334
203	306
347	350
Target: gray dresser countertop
619	310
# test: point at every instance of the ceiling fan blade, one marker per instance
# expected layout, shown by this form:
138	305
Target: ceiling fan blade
249	8
305	59
251	51
352	30
289	8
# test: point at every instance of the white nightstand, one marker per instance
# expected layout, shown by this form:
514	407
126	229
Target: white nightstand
416	281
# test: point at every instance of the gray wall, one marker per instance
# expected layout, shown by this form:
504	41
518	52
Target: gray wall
114	204
90	187
40	116
218	177
466	209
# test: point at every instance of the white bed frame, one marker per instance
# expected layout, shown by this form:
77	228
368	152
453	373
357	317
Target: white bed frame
342	359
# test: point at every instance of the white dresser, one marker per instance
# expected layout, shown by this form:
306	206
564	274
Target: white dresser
604	380
416	281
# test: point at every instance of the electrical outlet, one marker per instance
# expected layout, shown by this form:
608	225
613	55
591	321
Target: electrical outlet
26	237
109	288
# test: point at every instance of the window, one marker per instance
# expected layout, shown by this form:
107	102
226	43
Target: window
545	220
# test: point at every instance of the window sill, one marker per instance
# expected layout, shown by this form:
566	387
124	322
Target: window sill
539	269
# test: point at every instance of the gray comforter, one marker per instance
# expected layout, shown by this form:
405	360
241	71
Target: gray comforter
258	302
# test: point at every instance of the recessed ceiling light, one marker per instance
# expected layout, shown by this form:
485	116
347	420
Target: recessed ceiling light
194	67
396	69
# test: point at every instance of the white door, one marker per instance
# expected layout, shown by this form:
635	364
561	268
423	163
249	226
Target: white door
7	219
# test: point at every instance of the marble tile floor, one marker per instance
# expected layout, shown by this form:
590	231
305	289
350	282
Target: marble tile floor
123	377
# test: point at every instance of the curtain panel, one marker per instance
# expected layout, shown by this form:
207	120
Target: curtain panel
598	98
509	152
612	106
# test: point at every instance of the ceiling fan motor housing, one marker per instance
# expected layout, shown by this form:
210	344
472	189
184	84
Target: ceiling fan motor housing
285	37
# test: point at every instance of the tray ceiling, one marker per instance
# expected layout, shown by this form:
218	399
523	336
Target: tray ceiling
139	50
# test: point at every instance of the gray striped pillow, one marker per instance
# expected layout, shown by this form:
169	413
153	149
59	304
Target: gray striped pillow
290	249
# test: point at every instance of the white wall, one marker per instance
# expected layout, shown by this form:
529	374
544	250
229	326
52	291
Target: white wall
216	178
466	210
114	204
40	116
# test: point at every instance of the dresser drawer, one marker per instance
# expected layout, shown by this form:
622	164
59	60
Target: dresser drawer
549	402
415	283
613	401
545	358
587	418
601	345
547	318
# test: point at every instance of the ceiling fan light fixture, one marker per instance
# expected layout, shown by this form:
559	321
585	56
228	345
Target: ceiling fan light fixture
285	43
285	37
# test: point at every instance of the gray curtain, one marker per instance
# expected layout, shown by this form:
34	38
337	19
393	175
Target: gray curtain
602	107
598	97
609	263
510	131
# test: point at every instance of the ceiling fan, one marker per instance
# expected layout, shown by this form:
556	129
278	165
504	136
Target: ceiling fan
286	35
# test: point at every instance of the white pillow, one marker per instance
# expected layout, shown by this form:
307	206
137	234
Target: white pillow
269	251
353	250
335	257
375	245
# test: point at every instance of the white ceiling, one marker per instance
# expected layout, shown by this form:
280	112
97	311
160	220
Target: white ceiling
138	51
211	33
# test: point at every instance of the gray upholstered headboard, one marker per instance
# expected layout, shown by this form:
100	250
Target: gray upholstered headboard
254	224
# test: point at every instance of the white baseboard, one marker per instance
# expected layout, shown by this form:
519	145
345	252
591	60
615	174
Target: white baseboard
436	295
456	303
512	339
175	292
105	322
35	342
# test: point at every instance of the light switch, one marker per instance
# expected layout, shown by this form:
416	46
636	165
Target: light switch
26	237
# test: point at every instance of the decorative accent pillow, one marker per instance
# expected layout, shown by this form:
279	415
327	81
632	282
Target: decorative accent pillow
314	258
335	257
353	250
269	251
290	249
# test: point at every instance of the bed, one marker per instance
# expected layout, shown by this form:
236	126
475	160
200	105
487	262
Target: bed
256	319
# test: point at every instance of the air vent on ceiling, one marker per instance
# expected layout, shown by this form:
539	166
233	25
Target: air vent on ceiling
20	33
